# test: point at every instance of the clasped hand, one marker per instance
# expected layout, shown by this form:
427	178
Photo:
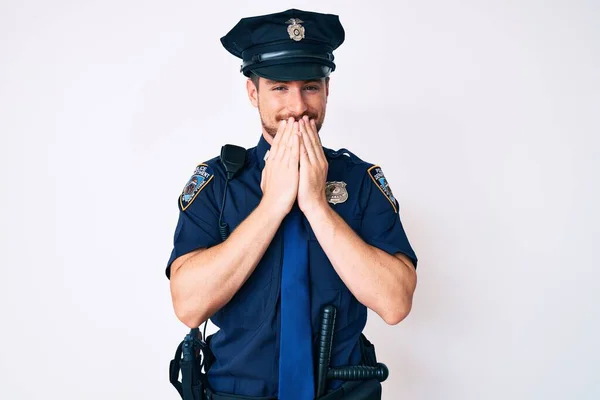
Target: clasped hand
296	168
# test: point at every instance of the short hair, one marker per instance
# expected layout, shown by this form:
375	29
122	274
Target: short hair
254	78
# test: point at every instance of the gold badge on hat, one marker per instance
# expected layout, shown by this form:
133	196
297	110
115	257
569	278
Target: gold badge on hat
336	192
295	30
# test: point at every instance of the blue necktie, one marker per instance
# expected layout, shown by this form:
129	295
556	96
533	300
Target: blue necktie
295	344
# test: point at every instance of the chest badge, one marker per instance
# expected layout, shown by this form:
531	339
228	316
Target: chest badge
336	192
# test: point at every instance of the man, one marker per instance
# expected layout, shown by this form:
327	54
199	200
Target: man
358	255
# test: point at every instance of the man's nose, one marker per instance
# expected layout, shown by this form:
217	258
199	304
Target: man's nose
297	104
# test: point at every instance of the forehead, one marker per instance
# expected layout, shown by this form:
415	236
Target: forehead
272	82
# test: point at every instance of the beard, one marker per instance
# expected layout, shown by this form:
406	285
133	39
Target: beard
271	129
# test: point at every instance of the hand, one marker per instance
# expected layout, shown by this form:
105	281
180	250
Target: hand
280	177
313	168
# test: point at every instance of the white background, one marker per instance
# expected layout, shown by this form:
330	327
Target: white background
481	115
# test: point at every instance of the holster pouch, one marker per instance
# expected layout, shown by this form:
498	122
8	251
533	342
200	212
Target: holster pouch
191	356
360	390
367	352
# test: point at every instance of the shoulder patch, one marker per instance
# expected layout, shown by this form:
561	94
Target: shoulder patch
378	178
200	178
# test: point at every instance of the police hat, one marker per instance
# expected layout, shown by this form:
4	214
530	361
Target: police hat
287	46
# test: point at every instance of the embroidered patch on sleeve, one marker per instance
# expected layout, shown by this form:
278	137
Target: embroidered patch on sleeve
201	177
378	178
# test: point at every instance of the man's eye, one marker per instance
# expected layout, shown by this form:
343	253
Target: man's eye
279	88
312	88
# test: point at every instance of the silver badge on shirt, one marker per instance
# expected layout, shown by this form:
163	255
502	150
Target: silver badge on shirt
336	192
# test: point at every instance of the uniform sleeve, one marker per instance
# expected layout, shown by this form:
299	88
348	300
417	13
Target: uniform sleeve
381	226
198	223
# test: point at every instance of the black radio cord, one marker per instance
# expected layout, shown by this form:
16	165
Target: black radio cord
223	228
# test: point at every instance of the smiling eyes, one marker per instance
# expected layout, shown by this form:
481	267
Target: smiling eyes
310	88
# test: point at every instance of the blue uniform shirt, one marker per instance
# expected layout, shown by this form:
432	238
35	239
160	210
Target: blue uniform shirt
246	347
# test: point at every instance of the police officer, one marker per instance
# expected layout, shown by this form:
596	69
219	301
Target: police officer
358	254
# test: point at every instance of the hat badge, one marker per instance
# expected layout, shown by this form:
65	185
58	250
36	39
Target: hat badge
295	30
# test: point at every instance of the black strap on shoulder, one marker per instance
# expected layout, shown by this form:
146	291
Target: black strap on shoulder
233	159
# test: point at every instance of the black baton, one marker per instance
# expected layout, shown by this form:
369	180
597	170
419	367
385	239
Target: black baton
325	341
349	373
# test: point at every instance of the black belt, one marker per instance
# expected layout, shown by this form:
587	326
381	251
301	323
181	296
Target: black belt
352	390
363	381
356	390
210	395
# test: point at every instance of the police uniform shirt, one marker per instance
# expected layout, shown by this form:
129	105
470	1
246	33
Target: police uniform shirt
246	347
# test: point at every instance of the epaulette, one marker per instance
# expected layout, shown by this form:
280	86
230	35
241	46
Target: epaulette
333	154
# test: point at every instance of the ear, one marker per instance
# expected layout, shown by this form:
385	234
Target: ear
252	92
326	87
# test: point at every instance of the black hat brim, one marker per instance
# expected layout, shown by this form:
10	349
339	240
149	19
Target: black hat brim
293	71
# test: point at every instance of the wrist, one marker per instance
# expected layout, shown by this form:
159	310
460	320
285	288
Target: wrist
273	210
316	210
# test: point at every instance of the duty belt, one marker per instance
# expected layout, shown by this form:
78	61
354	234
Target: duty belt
193	355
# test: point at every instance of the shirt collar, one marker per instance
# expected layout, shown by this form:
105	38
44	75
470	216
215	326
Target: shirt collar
261	150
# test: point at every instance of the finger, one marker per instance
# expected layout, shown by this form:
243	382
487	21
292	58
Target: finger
313	125
294	152
309	128
283	145
304	160
280	128
308	143
310	133
294	132
318	147
290	141
277	139
312	128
